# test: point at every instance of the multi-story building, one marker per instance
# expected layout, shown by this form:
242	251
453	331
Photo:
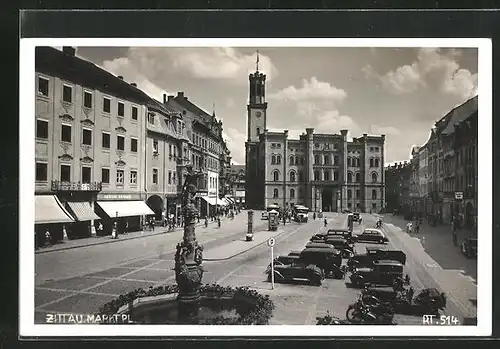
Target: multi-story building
236	183
167	152
90	141
398	178
414	192
208	150
422	178
325	172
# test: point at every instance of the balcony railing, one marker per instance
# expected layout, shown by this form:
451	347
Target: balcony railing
76	186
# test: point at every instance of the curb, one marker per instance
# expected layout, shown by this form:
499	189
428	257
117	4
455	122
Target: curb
109	241
241	252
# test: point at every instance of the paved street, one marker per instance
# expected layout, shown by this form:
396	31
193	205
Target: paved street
85	278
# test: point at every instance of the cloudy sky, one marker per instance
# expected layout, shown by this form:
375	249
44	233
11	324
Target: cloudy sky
397	92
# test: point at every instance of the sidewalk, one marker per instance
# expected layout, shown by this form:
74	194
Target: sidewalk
90	241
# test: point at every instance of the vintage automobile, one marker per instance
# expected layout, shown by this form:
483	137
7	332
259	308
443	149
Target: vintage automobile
319	245
426	301
300	213
346	247
328	260
374	254
372	235
335	232
297	271
382	272
294	253
469	247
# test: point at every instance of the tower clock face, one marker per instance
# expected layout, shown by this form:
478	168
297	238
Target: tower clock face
258	114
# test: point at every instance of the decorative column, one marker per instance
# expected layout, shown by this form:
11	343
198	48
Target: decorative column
343	173
189	255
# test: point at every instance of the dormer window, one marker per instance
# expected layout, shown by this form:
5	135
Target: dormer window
151	118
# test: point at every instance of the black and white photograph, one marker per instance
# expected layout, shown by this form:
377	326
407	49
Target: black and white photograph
235	182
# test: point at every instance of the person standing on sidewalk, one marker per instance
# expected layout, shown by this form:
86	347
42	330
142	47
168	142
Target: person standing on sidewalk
126	228
454	232
417	226
99	229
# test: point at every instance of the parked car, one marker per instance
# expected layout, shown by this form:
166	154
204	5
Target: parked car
374	254
469	247
297	271
319	245
346	211
346	247
382	272
372	235
328	260
335	232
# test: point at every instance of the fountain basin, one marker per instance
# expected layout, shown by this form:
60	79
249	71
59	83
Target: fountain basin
217	305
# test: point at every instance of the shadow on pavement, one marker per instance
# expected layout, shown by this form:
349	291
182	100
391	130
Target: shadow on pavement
438	244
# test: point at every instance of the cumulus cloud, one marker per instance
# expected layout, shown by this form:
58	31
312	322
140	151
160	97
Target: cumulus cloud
235	141
125	67
433	68
311	90
384	130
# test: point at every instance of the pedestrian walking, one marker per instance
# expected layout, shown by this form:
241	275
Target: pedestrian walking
48	239
326	222
409	227
99	229
153	225
206	221
114	233
417	226
218	222
314	215
126	228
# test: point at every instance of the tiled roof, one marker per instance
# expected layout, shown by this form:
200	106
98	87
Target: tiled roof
459	114
53	62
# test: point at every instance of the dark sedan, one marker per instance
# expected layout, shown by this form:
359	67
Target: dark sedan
372	235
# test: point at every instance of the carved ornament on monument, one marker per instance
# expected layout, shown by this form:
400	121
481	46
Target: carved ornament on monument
66	106
87	122
120	163
66	117
87	160
120	129
65	157
65	146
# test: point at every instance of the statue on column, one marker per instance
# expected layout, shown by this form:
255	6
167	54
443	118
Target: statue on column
189	254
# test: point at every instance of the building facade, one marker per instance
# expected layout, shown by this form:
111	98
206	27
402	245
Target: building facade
325	172
398	179
90	128
422	178
236	183
208	151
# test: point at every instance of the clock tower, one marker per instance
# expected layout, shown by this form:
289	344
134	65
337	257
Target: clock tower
257	105
256	120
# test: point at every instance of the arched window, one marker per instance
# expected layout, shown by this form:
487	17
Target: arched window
275	193
292	193
325	160
316	159
326	175
349	177
357	177
374	194
276	176
349	194
278	160
302	160
335	176
349	162
335	159
377	162
292	176
273	160
301	176
258	131
374	177
371	162
291	160
316	175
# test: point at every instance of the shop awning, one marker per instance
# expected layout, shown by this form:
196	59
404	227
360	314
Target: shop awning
125	208
223	202
83	211
229	200
211	201
48	209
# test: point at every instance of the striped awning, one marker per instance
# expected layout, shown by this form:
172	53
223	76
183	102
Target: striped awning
229	200
125	208
82	211
48	209
210	200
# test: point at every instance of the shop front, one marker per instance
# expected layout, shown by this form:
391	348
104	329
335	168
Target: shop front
208	206
128	210
84	215
51	217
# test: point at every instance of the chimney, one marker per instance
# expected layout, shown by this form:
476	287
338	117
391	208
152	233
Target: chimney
180	94
120	77
170	98
69	50
133	84
164	98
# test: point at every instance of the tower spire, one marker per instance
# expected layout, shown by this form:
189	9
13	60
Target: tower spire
213	109
257	63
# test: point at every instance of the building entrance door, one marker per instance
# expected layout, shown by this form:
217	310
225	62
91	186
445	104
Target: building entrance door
327	202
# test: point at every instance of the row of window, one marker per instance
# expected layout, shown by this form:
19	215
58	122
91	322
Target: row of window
374	148
327	146
67	136
326	176
349	194
291	196
86	174
88	97
206	143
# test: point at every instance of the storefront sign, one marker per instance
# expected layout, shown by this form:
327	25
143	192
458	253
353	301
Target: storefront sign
459	195
118	197
240	193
